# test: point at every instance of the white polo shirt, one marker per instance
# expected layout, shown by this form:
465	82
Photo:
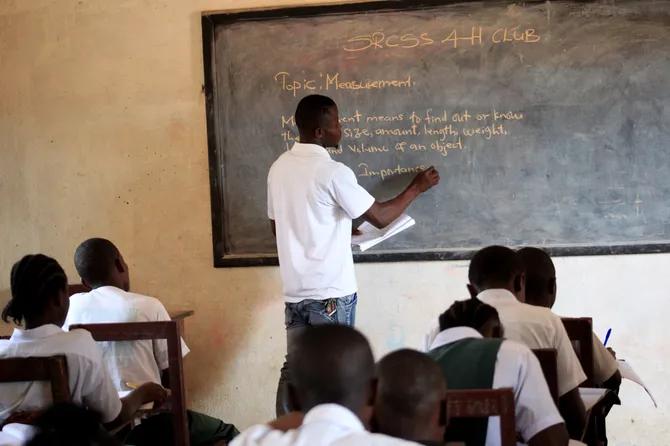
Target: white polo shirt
312	200
537	327
324	425
604	364
90	385
134	362
518	368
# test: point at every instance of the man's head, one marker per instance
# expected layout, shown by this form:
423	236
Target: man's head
411	394
475	314
99	263
318	122
332	364
540	277
496	267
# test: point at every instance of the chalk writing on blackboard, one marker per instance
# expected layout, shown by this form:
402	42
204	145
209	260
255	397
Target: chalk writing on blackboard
336	81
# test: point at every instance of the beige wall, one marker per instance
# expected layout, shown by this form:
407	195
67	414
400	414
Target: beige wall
102	133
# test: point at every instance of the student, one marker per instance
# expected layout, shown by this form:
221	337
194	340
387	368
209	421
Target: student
497	278
66	424
333	384
541	291
103	269
410	401
473	355
312	201
39	302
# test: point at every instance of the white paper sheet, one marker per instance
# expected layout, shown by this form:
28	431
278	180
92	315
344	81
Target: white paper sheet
370	236
628	373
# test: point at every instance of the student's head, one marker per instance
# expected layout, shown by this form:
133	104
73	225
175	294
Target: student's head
332	364
496	267
99	263
411	394
540	277
66	424
475	314
39	292
318	121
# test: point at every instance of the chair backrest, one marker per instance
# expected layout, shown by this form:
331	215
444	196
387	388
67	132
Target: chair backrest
580	332
169	330
52	369
75	288
478	403
549	364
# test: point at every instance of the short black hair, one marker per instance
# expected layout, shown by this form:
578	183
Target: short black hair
34	280
540	273
410	387
493	266
66	424
311	110
331	364
471	313
94	260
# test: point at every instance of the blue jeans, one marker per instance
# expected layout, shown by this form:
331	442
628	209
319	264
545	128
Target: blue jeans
298	316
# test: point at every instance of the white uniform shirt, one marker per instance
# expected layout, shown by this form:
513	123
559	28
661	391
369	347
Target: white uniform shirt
604	364
324	425
312	200
537	327
518	368
134	362
90	385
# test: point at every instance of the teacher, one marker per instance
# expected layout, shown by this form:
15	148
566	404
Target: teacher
312	201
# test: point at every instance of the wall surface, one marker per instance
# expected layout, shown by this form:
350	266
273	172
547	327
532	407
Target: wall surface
102	133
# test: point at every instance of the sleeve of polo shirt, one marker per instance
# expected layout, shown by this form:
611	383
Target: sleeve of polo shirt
347	193
271	211
604	364
570	373
160	345
534	407
97	389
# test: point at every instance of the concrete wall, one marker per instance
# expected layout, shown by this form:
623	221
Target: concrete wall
102	133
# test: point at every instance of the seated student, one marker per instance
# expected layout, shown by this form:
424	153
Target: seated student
67	424
471	362
410	401
333	383
102	268
497	278
541	291
39	301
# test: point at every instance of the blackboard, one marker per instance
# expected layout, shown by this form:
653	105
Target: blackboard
548	121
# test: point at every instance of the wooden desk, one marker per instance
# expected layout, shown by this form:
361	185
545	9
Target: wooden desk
179	316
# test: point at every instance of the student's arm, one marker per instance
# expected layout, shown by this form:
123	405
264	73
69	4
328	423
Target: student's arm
131	403
571	407
382	214
556	435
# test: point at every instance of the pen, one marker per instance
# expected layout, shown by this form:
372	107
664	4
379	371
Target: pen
607	336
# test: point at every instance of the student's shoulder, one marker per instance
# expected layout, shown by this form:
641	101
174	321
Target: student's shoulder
78	342
144	302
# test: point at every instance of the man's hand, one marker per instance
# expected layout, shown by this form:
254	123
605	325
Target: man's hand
152	392
426	179
355	231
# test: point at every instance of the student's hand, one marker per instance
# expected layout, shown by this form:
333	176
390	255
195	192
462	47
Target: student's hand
153	393
426	179
612	352
355	231
291	420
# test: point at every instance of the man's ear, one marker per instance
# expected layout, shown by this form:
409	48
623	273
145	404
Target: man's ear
472	290
119	265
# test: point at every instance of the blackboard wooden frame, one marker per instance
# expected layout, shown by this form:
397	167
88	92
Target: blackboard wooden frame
210	20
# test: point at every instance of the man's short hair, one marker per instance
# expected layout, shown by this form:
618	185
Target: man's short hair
410	386
311	110
540	273
331	364
471	313
94	260
493	266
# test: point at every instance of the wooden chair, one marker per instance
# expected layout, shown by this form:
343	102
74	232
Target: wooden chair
580	332
48	368
549	364
478	403
136	331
